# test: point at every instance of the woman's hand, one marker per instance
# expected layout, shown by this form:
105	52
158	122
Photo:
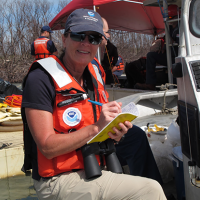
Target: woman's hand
108	113
119	133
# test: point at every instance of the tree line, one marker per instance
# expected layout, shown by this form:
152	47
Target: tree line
20	25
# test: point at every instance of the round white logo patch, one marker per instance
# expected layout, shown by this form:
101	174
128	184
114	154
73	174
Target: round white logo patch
72	116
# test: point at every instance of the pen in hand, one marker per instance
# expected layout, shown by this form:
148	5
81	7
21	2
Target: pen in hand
95	102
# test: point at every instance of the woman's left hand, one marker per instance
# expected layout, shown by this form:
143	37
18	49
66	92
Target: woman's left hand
119	133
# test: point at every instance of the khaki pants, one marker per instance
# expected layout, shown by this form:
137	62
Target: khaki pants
109	186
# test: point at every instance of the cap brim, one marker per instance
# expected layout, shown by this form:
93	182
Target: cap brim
83	28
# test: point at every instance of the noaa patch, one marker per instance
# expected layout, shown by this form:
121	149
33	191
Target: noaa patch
72	116
91	14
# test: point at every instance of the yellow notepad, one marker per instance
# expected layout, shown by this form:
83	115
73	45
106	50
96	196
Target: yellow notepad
129	113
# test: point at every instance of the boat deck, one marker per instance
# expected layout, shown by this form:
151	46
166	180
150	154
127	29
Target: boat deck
15	139
11	153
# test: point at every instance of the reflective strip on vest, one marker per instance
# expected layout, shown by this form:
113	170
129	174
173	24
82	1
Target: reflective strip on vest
99	78
56	71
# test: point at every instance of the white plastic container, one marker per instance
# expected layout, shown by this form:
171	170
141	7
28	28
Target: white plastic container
173	134
155	136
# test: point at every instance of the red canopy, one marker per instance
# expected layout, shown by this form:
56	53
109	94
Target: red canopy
121	15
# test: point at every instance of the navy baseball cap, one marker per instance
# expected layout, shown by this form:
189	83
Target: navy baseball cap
82	20
46	28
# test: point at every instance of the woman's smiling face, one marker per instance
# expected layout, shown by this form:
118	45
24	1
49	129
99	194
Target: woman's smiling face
79	53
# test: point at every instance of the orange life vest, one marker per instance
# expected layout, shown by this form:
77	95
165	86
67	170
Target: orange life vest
40	46
120	67
81	112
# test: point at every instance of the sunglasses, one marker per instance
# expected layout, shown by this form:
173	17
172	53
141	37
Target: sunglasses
108	32
79	37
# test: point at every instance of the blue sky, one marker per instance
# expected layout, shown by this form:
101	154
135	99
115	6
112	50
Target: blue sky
56	3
